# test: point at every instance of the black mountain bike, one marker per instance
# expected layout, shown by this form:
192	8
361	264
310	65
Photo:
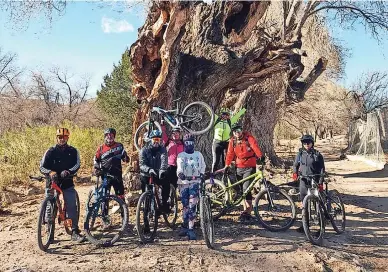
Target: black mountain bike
149	209
319	206
106	215
196	118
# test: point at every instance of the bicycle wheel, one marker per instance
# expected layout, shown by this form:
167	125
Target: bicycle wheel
69	229
171	218
336	211
46	223
218	198
141	130
146	218
313	220
274	209
197	118
206	219
106	221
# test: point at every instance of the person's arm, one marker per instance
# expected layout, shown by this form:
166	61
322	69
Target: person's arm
179	164
163	159
143	161
321	162
164	134
230	155
215	118
255	147
45	163
237	116
97	158
203	164
295	167
77	164
124	155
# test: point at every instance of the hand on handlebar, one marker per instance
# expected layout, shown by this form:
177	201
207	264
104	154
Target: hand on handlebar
181	176
152	172
65	173
295	176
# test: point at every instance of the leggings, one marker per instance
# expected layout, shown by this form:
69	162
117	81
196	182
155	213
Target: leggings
219	150
189	197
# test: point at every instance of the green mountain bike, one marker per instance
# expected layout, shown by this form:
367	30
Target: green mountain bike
273	207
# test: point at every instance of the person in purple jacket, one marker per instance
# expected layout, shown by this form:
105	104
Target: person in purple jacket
174	146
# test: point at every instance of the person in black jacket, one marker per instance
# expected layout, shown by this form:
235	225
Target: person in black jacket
153	161
60	163
308	161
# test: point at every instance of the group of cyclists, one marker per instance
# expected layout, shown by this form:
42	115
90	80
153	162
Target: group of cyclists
172	160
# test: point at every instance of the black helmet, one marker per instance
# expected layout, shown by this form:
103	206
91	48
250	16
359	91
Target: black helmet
236	126
110	130
307	138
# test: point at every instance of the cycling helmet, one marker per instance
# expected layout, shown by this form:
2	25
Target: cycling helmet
155	134
307	138
188	137
63	132
236	126
110	130
176	129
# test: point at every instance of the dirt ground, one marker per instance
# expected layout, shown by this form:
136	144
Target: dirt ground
363	247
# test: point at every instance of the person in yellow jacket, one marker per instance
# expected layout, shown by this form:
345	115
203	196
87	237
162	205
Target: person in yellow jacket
222	130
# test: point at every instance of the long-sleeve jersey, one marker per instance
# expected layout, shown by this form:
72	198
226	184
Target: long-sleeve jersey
152	159
190	165
173	147
245	150
308	162
59	158
222	128
110	158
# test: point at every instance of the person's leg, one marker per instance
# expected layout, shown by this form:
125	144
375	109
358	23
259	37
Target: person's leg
118	186
302	194
248	199
173	175
216	152
224	146
165	185
70	198
185	196
144	181
193	201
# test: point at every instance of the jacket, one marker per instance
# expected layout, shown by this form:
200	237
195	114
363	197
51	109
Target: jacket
150	159
173	147
190	165
60	158
222	128
110	158
245	151
308	162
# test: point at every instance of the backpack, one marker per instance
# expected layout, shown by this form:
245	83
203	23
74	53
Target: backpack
246	136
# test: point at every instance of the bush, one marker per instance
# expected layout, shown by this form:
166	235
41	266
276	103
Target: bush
21	151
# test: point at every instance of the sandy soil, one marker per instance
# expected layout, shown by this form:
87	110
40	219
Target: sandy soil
363	247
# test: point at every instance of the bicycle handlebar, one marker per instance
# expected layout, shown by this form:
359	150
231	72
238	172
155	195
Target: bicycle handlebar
38	178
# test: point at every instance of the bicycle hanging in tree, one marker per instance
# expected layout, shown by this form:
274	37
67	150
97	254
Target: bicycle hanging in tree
196	118
49	209
320	205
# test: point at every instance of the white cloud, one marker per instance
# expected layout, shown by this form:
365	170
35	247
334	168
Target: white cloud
110	25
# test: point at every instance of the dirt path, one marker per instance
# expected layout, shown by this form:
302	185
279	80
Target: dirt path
363	247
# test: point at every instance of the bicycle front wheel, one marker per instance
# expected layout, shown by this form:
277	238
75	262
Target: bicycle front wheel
336	211
106	221
46	223
171	218
138	139
218	198
313	220
275	209
146	218
197	118
206	219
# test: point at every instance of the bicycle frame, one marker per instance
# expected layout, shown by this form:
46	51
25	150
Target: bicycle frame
153	189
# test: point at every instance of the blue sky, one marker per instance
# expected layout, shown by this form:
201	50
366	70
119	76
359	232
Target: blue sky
90	37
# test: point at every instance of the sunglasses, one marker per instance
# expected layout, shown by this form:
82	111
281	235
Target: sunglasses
62	137
306	143
156	140
237	130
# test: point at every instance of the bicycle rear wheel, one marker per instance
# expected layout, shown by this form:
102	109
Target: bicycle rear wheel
106	221
138	139
197	118
171	218
46	223
313	220
206	220
218	198
146	218
274	209
336	211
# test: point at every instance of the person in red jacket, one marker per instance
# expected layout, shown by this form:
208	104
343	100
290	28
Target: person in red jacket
243	148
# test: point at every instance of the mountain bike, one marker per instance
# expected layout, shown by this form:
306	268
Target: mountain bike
50	208
149	209
273	207
205	214
320	205
106	215
196	118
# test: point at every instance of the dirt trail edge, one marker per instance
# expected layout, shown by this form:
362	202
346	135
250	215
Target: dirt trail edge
363	247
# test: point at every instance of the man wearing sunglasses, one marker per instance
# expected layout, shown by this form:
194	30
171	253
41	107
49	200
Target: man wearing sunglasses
243	148
222	130
153	162
109	157
61	162
308	161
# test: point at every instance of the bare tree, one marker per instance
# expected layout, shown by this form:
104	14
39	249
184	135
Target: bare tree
9	72
370	91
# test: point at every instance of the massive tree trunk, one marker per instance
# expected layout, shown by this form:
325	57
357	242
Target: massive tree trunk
229	54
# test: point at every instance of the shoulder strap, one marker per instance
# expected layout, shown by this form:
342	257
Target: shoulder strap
246	140
217	121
